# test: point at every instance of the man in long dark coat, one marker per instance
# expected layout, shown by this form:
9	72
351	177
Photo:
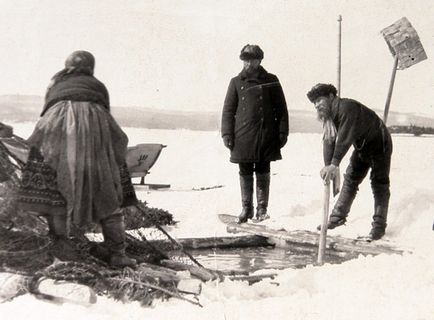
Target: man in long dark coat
348	122
255	128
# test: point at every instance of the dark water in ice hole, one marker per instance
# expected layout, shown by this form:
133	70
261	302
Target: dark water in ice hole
251	259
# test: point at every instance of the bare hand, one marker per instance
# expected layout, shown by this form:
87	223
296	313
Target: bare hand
329	173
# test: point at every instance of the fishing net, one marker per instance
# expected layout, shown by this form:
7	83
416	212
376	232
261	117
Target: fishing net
26	248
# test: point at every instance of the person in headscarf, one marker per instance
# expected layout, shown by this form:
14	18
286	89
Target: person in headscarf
347	122
76	173
254	127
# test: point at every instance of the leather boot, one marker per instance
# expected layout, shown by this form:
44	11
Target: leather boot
379	223
63	247
56	224
342	207
113	230
262	195
246	184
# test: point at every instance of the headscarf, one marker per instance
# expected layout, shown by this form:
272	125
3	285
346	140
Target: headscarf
78	62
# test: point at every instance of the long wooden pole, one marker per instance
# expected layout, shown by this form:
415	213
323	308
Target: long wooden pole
339	54
389	94
323	234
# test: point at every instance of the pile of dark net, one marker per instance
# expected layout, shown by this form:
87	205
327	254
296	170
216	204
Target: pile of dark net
27	249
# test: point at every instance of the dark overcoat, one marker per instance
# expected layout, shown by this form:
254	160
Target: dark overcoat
359	126
255	114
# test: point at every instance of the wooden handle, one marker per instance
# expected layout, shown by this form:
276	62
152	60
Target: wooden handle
339	55
389	94
323	234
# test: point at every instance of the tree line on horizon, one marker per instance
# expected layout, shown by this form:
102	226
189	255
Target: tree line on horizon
25	108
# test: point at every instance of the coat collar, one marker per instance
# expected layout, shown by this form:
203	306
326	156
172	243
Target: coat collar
335	106
259	75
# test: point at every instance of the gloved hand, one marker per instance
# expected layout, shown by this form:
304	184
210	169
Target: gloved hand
329	172
228	140
283	137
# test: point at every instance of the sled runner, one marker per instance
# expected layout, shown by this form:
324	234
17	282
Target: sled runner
305	238
140	160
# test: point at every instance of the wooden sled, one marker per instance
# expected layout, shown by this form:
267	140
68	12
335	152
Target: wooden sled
141	158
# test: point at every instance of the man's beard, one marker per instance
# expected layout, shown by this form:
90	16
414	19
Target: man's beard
323	115
250	70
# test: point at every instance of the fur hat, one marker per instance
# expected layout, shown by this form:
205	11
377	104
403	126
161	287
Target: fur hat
321	90
251	51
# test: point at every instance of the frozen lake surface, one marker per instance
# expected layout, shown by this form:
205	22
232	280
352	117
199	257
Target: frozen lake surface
381	287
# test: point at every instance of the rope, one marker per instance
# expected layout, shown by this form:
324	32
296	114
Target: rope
173	240
27	253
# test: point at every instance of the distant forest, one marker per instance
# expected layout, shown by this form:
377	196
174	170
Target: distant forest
23	108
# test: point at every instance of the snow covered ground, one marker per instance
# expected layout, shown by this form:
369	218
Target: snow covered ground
381	287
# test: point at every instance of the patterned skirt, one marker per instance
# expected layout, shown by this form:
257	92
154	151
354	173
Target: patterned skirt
76	166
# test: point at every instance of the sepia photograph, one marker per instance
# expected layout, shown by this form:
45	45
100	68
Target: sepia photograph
216	159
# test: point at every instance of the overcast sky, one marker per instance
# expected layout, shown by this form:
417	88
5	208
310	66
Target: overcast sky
181	54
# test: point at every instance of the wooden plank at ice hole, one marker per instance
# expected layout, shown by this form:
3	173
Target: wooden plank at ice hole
198	272
218	242
284	238
404	41
194	243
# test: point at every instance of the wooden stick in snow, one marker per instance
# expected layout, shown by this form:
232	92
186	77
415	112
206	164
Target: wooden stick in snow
323	234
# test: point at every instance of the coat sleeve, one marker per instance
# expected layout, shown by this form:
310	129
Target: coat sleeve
328	149
281	108
347	131
229	110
